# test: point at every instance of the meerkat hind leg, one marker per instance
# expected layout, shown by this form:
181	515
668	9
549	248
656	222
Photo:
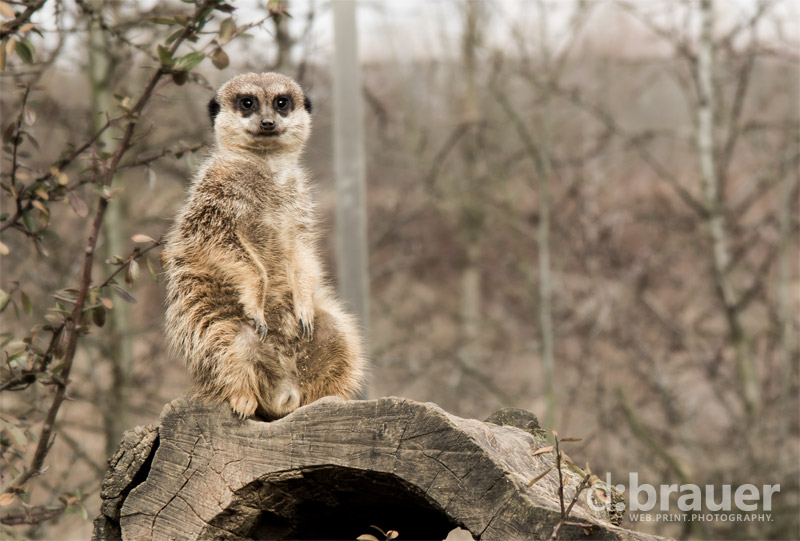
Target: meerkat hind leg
328	364
240	378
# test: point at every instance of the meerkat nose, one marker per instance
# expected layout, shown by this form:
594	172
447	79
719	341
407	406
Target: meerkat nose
267	124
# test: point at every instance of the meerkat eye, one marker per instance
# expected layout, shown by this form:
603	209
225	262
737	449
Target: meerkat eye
247	103
281	103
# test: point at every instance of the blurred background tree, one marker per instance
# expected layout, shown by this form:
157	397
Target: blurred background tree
584	209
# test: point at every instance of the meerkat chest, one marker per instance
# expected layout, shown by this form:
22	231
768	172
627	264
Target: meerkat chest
281	226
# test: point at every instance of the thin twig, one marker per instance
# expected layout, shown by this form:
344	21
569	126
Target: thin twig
18	138
560	477
135	255
57	167
584	484
636	143
27	377
33	515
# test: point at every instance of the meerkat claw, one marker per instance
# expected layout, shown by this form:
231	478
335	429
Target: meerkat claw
243	406
261	328
308	329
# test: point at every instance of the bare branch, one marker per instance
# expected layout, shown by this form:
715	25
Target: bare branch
32	515
635	142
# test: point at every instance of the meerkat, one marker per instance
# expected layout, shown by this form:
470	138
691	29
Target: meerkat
247	304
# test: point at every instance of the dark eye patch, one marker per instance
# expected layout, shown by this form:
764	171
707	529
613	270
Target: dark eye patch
246	104
213	110
283	104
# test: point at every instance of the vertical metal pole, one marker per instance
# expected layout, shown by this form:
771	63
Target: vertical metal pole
349	164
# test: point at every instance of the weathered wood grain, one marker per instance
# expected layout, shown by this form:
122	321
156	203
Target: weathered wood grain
329	471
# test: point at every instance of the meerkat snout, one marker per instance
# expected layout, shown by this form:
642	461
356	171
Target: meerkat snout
267	124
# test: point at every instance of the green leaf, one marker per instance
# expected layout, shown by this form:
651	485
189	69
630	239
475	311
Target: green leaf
161	20
8	132
4	300
172	37
220	59
30	224
153	273
189	61
124	295
180	77
99	315
165	57
226	30
27	306
33	141
25	51
50	236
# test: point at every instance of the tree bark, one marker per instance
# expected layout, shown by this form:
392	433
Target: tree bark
333	468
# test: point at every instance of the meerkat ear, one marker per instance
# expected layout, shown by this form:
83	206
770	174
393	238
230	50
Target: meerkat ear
307	104
213	109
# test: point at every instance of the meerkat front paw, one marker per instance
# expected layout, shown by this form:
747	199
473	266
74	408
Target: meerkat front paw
244	405
261	328
307	328
258	322
304	312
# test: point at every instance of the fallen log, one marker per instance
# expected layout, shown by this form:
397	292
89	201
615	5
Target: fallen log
332	469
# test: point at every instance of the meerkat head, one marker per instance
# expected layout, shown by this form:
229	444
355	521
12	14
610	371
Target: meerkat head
261	113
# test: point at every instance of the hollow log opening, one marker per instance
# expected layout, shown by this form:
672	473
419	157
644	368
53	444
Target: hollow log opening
343	502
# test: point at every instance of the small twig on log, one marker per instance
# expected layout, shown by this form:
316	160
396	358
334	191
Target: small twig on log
585	482
559	455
